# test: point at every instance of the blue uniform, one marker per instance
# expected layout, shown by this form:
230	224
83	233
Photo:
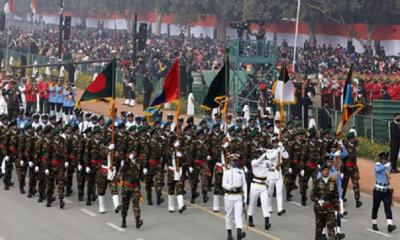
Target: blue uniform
382	192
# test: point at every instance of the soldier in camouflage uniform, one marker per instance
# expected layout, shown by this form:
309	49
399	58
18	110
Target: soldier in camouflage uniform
21	163
186	142
3	134
29	153
130	170
10	153
326	202
56	169
43	152
216	140
96	156
295	150
88	174
71	148
152	168
312	160
201	155
143	141
166	139
350	168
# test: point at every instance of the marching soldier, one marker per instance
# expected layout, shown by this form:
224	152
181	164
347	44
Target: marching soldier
258	187
311	162
21	163
30	141
71	148
56	169
350	168
175	179
275	156
218	155
295	150
130	180
326	202
43	155
234	183
152	168
10	153
200	167
382	192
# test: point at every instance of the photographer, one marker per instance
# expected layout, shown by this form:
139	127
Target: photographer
394	141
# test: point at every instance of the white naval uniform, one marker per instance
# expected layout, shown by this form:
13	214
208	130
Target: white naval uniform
275	178
83	126
130	124
36	125
234	179
258	187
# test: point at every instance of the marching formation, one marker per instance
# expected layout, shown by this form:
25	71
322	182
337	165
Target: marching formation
247	163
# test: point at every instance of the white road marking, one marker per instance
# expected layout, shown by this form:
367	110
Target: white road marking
344	220
67	201
297	204
88	212
139	239
379	233
112	225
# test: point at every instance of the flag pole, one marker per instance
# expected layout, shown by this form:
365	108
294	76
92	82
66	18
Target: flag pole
226	76
177	130
281	103
113	112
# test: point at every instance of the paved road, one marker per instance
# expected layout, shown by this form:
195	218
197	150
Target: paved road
23	218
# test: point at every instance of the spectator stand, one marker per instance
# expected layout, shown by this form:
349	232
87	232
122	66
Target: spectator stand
244	84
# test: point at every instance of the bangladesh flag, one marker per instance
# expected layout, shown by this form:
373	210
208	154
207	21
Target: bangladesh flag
103	86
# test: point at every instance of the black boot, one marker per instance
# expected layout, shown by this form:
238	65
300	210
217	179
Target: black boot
358	203
194	196
62	204
118	209
267	224
375	227
303	201
139	222
41	198
160	199
391	228
48	202
205	198
21	189
340	236
68	192
282	212
94	197
230	237
240	234
80	197
288	197
182	209
88	201
251	223
6	187
123	224
149	199
29	194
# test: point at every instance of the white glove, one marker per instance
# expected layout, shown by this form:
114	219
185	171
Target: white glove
321	202
131	156
246	170
30	164
6	158
190	169
179	154
66	164
176	144
208	158
88	170
36	169
341	175
47	172
111	147
302	173
290	170
145	171
225	145
79	167
122	163
22	163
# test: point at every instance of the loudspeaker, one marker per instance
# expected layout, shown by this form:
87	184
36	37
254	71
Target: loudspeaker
2	21
67	27
142	36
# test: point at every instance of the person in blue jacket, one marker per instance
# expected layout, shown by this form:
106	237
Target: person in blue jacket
68	95
56	98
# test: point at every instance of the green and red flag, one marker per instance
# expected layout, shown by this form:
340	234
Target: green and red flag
103	86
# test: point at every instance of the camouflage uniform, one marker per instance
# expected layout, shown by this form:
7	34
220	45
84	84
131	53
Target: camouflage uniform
21	162
325	214
29	150
295	150
350	170
10	150
96	160
153	167
201	154
130	187
43	156
215	140
57	169
311	161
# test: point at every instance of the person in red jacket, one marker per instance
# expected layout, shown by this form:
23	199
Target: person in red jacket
30	96
44	93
